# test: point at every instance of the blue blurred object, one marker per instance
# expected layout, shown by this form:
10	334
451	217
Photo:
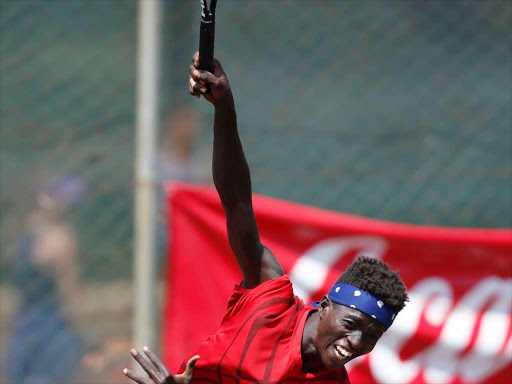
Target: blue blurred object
44	347
68	190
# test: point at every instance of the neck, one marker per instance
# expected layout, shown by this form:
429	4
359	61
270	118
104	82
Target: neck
311	360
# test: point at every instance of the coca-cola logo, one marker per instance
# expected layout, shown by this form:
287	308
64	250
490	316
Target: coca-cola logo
470	339
437	338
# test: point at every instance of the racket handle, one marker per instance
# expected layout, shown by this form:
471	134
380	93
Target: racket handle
206	45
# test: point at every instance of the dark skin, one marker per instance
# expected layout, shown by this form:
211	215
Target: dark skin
330	332
337	326
232	178
157	371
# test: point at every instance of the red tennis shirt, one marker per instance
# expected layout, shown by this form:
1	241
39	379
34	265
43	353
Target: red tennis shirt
259	340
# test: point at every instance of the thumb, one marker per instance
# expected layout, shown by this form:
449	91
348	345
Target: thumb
191	365
217	68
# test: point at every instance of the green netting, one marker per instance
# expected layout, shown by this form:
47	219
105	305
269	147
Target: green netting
394	110
67	91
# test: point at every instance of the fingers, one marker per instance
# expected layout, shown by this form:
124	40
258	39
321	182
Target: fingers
191	89
191	365
195	59
134	377
203	76
144	364
213	86
155	360
217	67
196	89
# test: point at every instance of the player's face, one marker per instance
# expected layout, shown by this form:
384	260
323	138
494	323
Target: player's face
344	333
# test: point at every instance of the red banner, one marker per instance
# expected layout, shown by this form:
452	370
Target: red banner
457	327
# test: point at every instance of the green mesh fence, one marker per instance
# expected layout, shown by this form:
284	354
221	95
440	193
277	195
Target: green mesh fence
393	110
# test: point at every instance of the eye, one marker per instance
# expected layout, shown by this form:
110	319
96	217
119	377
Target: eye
373	337
350	324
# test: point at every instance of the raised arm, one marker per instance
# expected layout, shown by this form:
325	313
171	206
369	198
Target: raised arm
232	178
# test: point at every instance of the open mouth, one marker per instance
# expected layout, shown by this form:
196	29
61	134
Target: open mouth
341	353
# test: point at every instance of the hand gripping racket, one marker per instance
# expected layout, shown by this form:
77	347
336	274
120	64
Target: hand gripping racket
207	35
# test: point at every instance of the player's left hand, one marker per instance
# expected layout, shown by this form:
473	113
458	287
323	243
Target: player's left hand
158	372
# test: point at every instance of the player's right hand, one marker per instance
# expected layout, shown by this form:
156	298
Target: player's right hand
158	372
220	90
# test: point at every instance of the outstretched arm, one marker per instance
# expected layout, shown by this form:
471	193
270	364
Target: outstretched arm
232	178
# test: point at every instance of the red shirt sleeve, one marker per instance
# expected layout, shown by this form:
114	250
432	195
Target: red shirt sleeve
244	346
242	296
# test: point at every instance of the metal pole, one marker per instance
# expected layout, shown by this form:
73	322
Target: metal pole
148	46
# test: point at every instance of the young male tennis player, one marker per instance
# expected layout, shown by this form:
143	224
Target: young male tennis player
268	335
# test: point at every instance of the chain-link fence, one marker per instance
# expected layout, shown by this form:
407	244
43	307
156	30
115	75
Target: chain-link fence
394	110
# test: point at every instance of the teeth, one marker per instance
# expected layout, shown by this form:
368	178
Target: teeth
340	351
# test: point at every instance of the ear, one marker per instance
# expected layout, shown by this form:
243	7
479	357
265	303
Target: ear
324	305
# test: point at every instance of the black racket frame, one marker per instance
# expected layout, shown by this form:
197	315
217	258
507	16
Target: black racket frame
207	35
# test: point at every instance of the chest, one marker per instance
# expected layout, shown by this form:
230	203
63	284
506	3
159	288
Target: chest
263	349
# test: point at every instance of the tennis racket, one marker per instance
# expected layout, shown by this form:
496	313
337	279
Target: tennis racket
207	35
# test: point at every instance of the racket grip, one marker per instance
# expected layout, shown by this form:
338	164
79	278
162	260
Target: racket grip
206	45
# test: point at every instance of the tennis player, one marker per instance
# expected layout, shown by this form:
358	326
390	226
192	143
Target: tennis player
268	335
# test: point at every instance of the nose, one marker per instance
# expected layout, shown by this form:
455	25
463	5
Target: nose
355	340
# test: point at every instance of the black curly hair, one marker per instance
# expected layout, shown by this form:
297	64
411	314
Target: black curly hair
376	277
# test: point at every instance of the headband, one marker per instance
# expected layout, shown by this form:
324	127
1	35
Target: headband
357	298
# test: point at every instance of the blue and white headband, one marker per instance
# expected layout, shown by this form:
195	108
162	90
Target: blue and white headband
357	298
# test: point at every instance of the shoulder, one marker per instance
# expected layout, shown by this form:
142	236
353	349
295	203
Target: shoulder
278	291
276	286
